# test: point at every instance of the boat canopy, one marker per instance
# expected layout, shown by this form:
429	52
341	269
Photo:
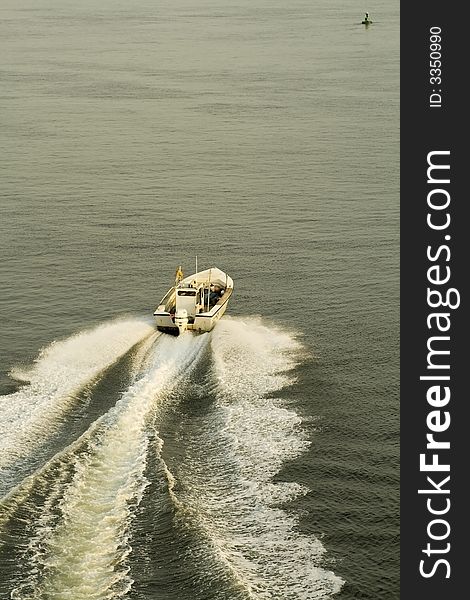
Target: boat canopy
210	276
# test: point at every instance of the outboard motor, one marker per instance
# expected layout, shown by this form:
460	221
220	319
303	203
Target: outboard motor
181	319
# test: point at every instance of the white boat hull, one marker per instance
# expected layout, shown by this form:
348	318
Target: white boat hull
200	322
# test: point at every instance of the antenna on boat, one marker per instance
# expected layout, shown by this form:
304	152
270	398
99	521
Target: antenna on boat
196	264
209	289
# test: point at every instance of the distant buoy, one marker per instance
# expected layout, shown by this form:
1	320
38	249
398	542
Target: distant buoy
366	21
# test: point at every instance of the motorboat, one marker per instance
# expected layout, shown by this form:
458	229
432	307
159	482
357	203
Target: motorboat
194	303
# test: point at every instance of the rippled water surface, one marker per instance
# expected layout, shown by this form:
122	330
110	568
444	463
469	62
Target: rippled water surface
256	462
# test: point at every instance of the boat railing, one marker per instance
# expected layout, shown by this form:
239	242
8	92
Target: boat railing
168	297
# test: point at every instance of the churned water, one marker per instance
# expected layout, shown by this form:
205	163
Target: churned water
256	462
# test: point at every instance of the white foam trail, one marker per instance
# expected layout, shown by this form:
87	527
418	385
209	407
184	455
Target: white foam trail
239	508
82	556
61	370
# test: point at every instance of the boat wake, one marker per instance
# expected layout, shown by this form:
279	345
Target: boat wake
224	484
52	385
201	435
79	550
